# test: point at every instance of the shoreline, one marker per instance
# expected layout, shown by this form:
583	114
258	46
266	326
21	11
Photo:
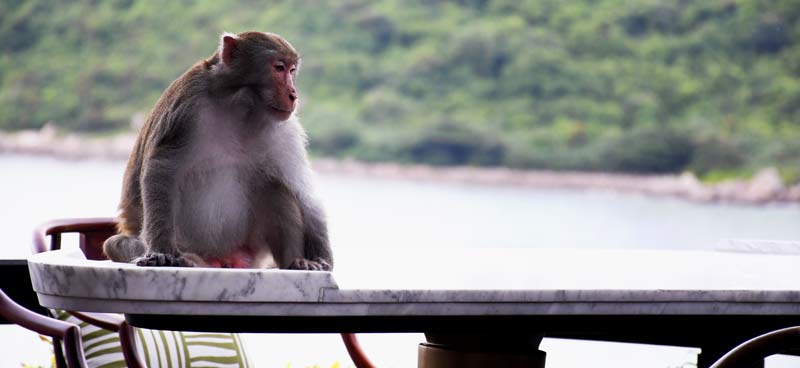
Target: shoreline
765	187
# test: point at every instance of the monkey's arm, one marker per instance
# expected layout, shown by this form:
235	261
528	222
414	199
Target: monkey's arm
316	250
162	157
315	234
158	231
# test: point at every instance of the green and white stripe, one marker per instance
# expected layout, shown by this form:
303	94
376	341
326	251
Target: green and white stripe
163	349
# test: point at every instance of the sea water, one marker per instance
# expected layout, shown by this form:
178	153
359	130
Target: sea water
401	216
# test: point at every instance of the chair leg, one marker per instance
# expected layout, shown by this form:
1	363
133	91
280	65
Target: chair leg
73	346
59	353
128	341
356	353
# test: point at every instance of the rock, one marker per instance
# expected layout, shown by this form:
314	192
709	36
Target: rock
48	131
730	190
765	186
793	194
693	189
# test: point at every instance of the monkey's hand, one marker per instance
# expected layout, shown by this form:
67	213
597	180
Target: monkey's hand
163	260
317	264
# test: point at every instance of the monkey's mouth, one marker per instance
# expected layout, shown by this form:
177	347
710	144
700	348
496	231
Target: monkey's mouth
281	109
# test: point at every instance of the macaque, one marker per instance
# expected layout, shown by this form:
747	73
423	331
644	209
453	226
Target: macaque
219	175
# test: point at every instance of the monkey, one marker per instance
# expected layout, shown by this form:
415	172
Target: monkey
219	175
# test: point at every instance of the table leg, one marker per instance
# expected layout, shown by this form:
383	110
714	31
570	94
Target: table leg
481	350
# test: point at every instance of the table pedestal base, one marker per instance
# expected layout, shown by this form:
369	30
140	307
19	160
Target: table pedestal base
468	351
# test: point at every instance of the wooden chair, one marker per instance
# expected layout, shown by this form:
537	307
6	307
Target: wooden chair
18	305
92	233
67	332
752	352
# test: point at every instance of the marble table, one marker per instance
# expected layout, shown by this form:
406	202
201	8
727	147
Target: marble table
503	299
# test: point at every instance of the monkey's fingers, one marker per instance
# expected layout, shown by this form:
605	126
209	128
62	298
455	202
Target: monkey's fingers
309	265
324	265
163	260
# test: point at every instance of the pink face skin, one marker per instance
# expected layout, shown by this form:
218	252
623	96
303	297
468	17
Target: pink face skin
283	74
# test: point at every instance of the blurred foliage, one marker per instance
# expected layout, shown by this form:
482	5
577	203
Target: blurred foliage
634	85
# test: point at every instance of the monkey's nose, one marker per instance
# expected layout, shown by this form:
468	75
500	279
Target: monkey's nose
293	96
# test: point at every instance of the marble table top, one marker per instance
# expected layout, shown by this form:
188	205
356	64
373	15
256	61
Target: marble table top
445	282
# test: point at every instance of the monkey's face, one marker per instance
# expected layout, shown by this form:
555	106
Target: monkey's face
282	72
266	64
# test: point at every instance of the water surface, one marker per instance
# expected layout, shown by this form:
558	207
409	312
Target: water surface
402	216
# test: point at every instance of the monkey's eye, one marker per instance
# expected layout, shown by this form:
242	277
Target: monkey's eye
280	67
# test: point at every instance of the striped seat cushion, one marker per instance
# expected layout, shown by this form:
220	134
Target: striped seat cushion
174	349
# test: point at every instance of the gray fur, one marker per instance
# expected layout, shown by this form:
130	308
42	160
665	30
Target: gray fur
124	248
216	169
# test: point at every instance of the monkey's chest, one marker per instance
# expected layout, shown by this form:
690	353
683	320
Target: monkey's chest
215	211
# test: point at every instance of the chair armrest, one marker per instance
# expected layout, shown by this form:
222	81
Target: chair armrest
38	323
106	321
760	347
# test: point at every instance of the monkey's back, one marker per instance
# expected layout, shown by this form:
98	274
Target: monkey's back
165	124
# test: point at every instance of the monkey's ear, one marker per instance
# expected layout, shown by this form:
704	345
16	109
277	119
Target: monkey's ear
228	47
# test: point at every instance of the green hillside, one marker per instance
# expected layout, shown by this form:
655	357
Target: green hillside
638	86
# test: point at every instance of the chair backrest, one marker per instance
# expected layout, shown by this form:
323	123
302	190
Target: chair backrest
92	231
